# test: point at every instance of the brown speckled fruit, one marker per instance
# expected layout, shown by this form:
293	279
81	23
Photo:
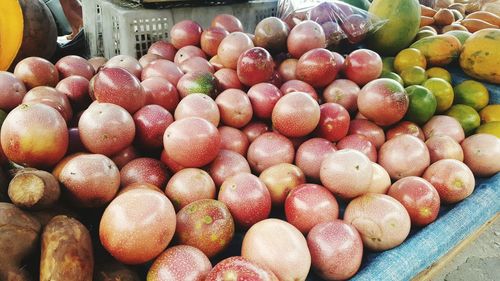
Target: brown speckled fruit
180	263
247	198
37	124
146	170
91	180
189	185
137	225
240	268
269	149
419	198
205	224
336	249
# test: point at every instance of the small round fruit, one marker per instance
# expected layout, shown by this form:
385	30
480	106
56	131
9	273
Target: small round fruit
468	118
311	153
444	147
234	140
439	72
12	89
443	92
227	164
247	198
347	173
144	170
419	198
413	75
180	263
490	113
317	67
231	47
228	22
404	156
452	179
481	154
205	224
192	142
382	222
471	93
381	181
35	71
240	268
344	92
137	226
254	66
392	75
263	98
235	108
368	129
492	128
271	34
408	58
296	115
405	127
151	122
185	33
269	149
189	185
160	91
163	49
280	179
305	36
310	204
422	105
334	121
201	106
211	38
363	66
359	143
444	125
336	250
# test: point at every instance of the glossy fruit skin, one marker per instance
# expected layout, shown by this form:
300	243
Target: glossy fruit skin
227	164
346	173
35	71
106	128
205	224
231	47
363	66
405	127
479	56
247	198
198	83
296	115
287	69
197	105
422	104
269	149
305	36
74	65
383	101
180	263
444	147
76	89
151	121
419	198
317	67
188	52
129	63
192	142
211	38
163	49
164	69
148	58
444	125
196	64
263	98
36	123
280	179
368	129
240	268
271	34
280	247
359	143
468	118
334	122
471	93
255	129
52	98
452	179
185	33
90	180
189	185
404	156
255	66
118	86
407	58
130	238
382	222
13	91
126	155
442	90
234	140
235	108
381	181
291	86
161	92
145	170
344	92
336	249
228	79
481	152
311	153
228	22
308	205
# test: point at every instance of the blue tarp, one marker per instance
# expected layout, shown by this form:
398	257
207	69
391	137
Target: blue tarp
424	246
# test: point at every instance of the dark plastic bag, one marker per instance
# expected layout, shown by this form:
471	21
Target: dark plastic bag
338	19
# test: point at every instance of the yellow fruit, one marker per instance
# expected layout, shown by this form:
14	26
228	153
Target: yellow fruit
408	58
471	93
414	75
492	128
439	72
490	113
11	31
438	50
443	91
480	55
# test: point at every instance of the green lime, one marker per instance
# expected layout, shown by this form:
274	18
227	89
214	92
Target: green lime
388	64
393	76
471	93
466	116
422	104
413	75
442	90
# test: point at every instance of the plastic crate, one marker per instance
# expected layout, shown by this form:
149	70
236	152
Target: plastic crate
92	14
130	30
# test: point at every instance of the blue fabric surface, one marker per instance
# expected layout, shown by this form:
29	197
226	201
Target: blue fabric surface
424	246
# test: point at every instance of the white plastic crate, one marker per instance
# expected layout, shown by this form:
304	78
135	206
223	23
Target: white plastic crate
92	24
130	31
